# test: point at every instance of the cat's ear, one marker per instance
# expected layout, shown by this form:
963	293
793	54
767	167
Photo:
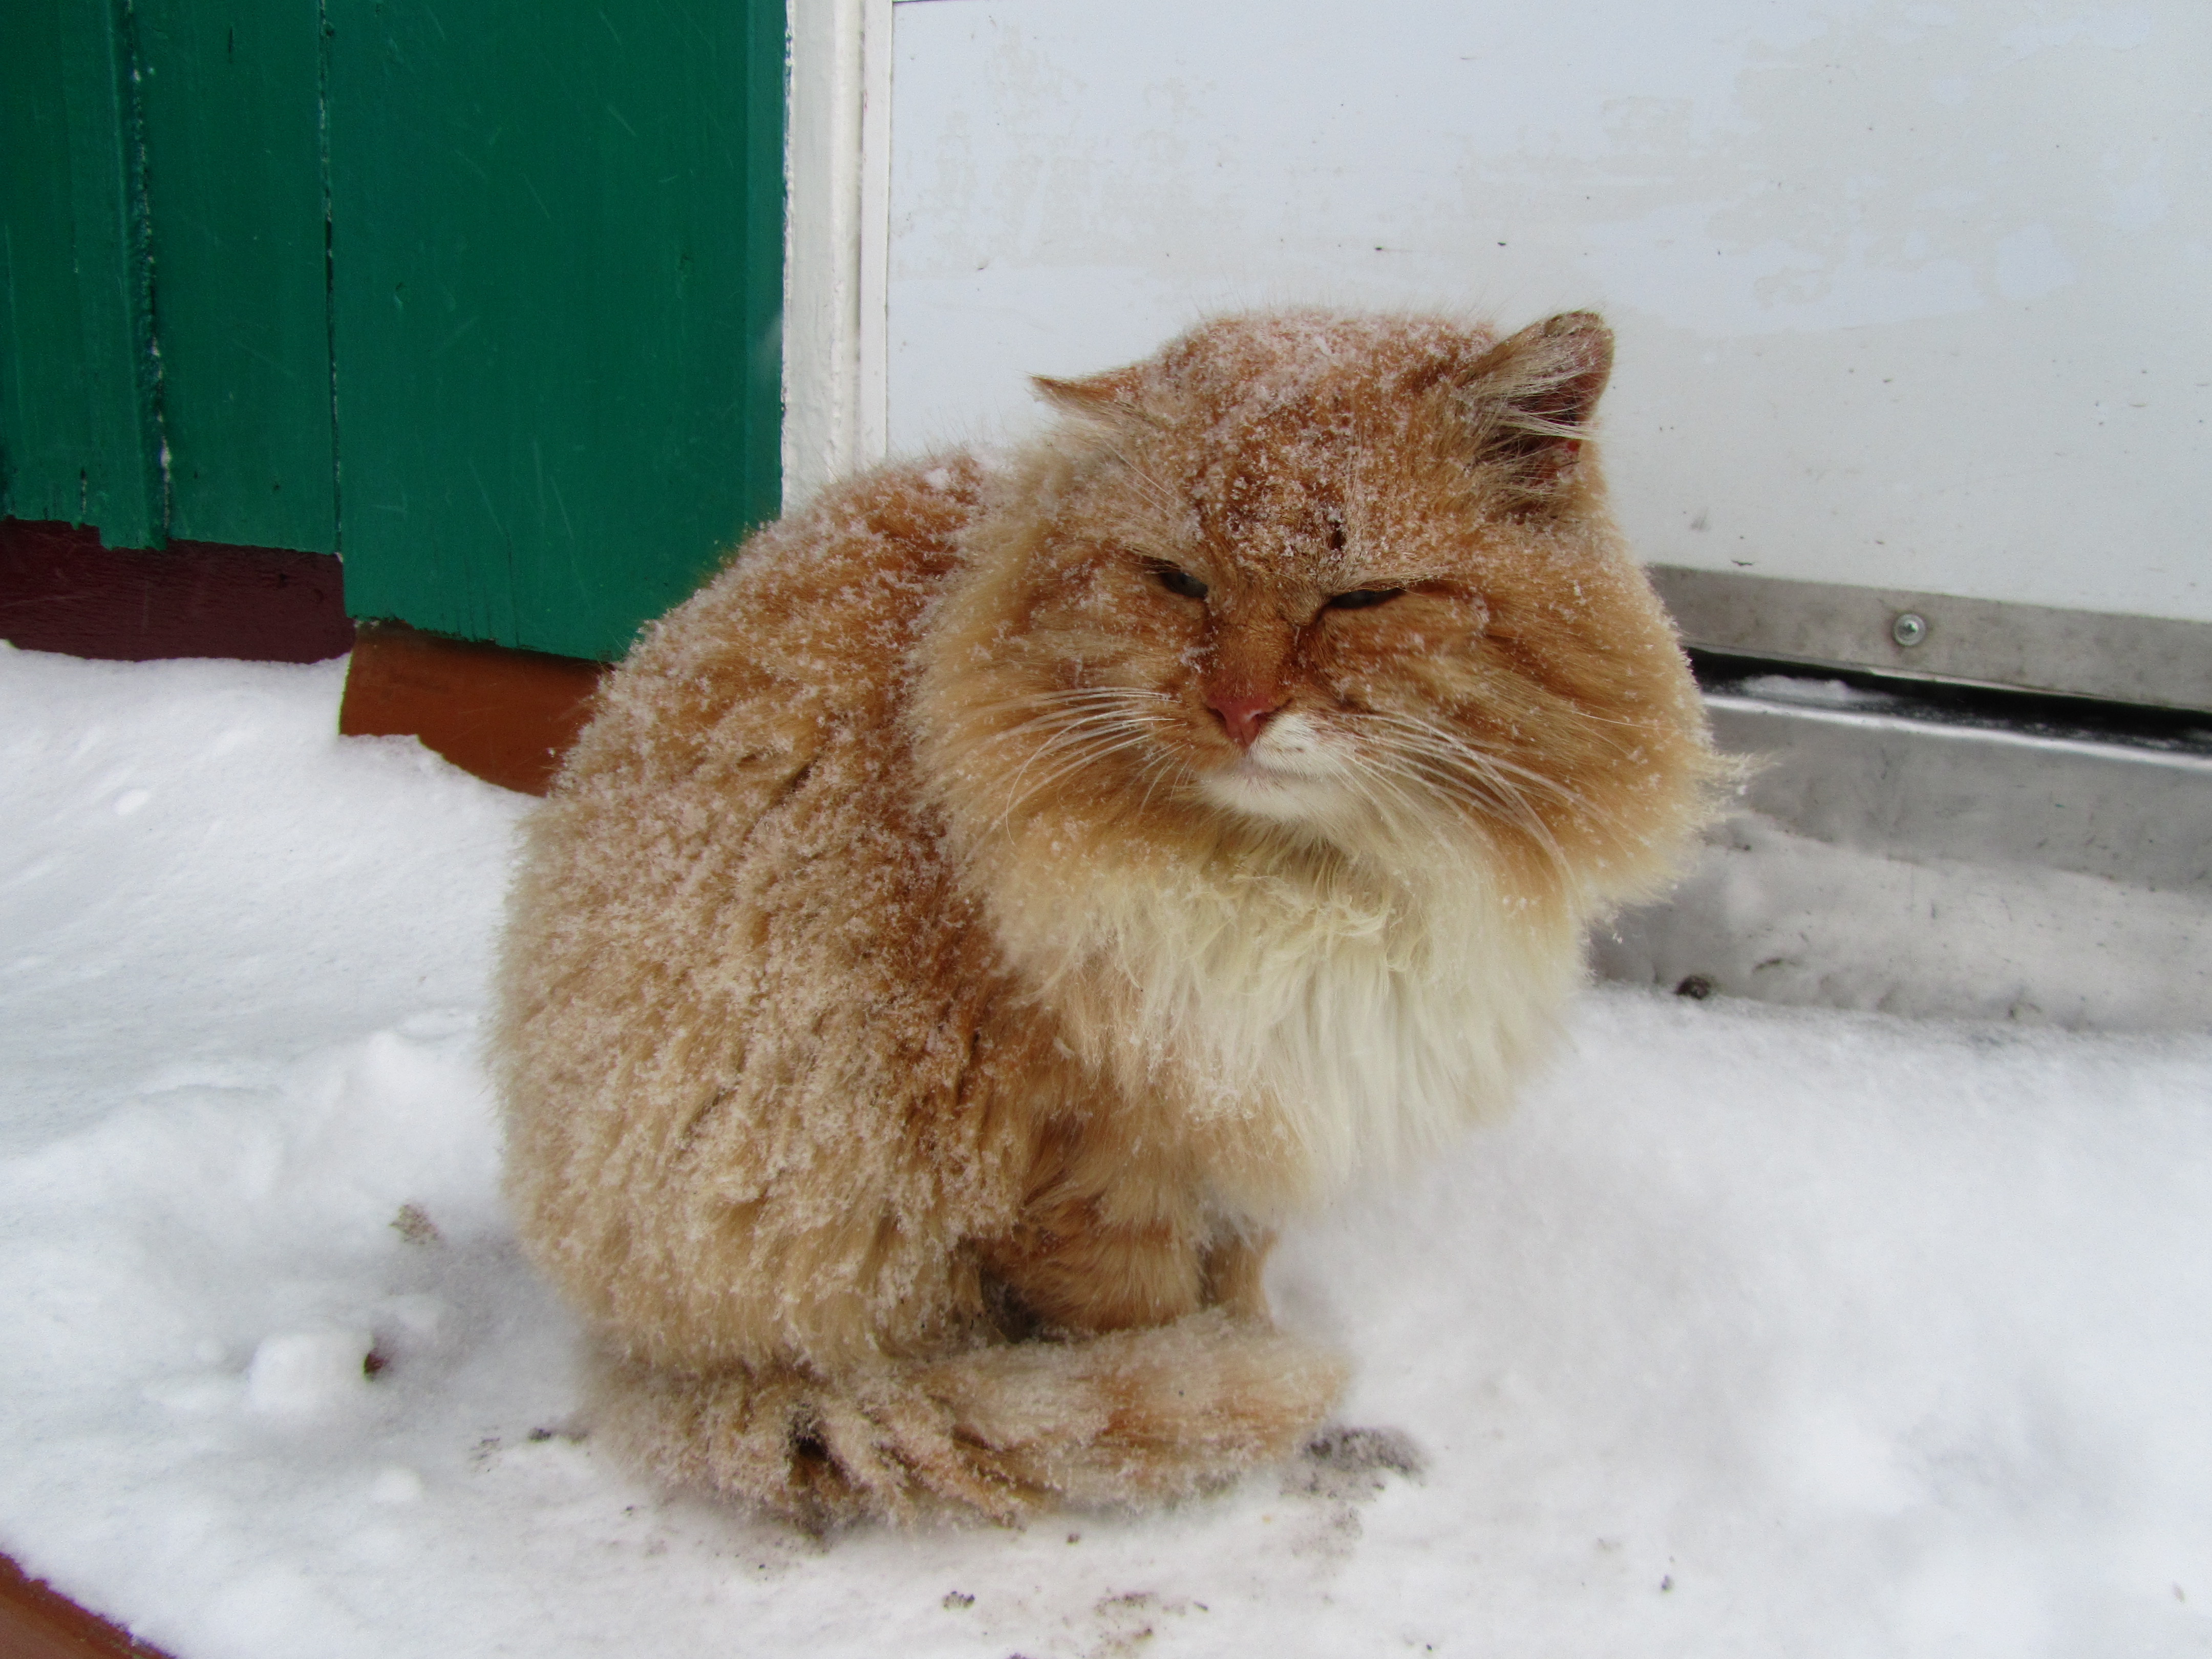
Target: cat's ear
1531	396
1109	396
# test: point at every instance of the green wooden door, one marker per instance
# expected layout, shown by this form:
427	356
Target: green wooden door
483	295
558	235
79	439
231	106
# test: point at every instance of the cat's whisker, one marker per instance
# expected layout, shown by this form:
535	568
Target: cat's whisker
1412	808
1085	745
1084	720
1062	694
1163	764
1127	693
1056	708
1476	778
1450	748
1089	749
1493	786
1496	798
1033	716
1061	727
1137	711
1413	779
1075	765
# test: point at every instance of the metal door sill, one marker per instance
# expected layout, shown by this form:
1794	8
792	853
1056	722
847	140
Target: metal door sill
1904	851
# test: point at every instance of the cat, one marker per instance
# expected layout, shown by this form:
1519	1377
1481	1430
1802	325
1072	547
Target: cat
975	921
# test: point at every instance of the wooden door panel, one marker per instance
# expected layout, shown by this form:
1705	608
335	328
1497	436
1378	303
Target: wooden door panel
79	437
558	255
230	95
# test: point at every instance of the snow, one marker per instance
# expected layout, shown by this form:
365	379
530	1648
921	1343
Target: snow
1810	922
1754	1330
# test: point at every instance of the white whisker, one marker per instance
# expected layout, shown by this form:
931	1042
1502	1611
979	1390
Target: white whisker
1072	730
1452	765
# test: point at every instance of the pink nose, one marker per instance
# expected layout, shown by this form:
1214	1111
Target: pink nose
1241	716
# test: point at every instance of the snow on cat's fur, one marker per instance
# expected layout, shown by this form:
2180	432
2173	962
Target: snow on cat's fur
990	906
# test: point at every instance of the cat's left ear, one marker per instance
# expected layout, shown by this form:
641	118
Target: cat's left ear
1531	396
1109	396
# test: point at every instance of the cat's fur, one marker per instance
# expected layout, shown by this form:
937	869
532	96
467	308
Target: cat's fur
919	1003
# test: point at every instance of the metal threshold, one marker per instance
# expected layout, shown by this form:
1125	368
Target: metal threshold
1891	852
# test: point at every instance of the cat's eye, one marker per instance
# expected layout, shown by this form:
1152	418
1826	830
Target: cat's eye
1179	581
1362	599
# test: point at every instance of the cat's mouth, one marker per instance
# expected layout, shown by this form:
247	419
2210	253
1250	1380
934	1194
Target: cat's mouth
1289	773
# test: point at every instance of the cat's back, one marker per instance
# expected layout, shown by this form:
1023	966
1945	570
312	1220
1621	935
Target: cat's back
810	627
734	890
766	700
762	707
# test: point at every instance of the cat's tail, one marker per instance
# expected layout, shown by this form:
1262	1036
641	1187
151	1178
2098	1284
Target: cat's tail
1133	1417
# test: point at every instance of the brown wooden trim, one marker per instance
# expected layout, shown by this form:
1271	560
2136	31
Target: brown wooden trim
37	1622
60	590
506	715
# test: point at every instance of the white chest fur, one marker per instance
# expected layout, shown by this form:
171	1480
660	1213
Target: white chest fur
1319	1029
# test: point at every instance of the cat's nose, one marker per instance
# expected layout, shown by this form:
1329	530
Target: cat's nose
1243	716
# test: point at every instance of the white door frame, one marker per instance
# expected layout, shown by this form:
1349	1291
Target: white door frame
836	241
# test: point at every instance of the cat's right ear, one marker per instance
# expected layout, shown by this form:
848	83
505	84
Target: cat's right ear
1109	396
1533	396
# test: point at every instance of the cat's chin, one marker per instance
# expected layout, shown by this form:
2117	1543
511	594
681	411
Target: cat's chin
1276	794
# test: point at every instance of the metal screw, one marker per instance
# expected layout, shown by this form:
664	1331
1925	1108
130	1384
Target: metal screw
1910	628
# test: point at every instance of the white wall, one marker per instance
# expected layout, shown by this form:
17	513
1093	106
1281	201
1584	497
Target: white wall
1909	295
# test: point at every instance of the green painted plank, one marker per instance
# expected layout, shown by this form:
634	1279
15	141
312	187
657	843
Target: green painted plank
230	92
79	429
46	428
558	267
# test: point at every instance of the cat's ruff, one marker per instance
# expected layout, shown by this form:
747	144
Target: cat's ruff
993	902
1315	1021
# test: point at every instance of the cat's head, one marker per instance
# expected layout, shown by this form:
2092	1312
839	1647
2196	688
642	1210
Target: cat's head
1347	579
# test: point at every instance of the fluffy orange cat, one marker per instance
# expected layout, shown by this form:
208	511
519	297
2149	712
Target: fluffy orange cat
976	919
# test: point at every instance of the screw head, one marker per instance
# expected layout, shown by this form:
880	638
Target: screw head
1909	629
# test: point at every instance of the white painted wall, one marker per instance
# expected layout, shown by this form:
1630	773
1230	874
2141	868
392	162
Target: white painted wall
1909	294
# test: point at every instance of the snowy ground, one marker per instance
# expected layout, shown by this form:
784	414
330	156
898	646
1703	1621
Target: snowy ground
1754	1333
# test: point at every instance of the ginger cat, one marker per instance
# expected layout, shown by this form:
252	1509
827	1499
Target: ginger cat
976	919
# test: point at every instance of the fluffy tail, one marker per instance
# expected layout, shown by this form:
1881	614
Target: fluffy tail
1134	1417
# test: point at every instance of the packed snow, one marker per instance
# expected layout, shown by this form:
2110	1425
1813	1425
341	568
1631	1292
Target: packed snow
1753	1332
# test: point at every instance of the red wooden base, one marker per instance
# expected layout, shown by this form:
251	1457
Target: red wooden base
60	590
36	1623
507	716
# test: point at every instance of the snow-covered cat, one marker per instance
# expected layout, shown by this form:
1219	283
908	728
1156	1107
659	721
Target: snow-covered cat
995	902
